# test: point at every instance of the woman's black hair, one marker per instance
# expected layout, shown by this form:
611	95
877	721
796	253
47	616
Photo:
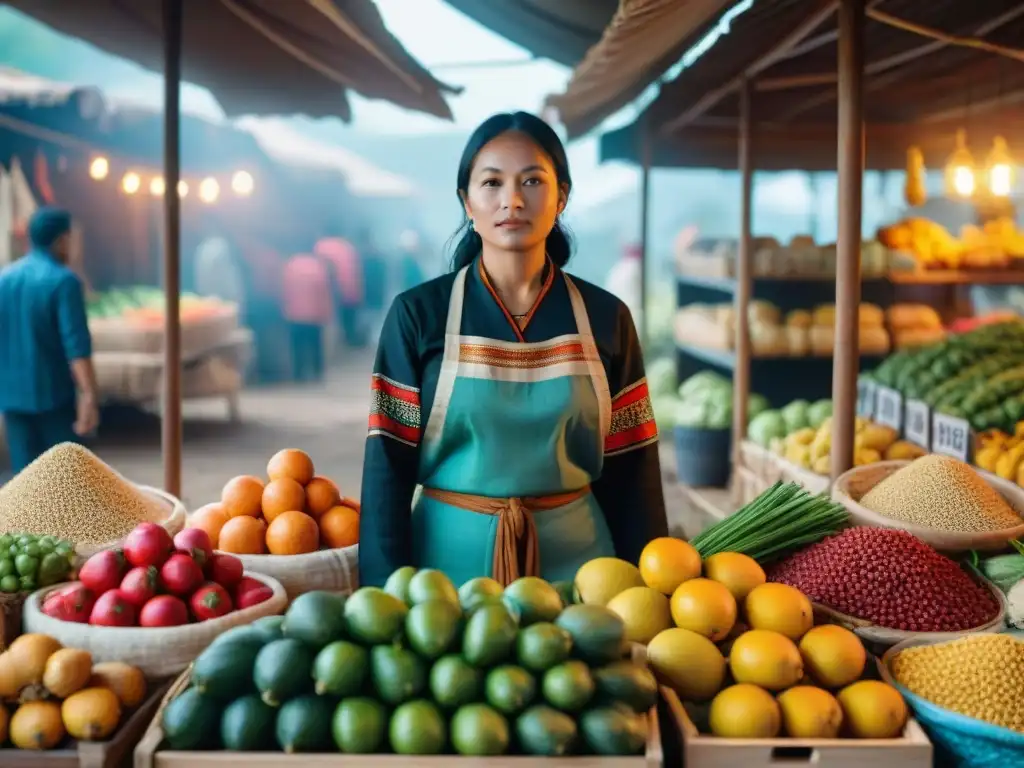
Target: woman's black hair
559	242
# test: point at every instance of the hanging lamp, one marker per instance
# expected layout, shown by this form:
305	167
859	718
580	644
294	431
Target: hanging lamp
1000	172
960	181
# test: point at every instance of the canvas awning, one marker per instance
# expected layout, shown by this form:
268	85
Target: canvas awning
262	56
644	39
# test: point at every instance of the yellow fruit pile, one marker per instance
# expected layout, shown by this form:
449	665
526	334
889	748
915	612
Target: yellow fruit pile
812	448
718	631
48	692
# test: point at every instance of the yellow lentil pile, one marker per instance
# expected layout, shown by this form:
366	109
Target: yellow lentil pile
981	676
942	493
70	493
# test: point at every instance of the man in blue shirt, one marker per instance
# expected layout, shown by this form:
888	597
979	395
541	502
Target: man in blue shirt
47	382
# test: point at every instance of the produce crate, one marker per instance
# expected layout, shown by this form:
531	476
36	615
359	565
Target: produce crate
94	754
747	486
760	461
150	754
912	750
811	481
10	617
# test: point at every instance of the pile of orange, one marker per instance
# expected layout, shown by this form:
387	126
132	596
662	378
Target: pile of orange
294	513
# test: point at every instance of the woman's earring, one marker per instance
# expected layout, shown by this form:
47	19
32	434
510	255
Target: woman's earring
472	226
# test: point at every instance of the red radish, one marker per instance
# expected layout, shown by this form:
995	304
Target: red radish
210	601
245	584
253	596
181	575
103	571
139	585
226	570
148	544
194	542
72	603
112	610
164	611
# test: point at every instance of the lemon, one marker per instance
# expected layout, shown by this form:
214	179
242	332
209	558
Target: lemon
688	663
738	572
705	607
666	563
810	713
764	658
745	712
873	710
779	608
644	611
833	656
602	578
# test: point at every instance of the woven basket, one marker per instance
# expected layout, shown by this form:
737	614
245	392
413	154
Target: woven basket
851	486
173	522
158	651
11	606
959	740
329	570
887	637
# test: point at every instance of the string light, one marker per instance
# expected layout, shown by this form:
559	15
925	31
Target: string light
182	188
999	169
242	184
157	187
99	168
131	183
960	181
209	190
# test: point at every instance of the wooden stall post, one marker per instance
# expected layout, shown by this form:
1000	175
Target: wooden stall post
170	416
846	363
645	194
744	280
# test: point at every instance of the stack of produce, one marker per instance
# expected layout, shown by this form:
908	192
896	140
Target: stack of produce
996	245
913	325
891	579
294	513
978	676
420	668
68	493
812	448
1002	453
771	424
156	582
942	493
48	692
780	668
28	561
144	305
703	401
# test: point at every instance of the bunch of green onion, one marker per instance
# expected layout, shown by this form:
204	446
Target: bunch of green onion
784	518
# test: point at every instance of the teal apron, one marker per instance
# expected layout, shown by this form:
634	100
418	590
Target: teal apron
516	429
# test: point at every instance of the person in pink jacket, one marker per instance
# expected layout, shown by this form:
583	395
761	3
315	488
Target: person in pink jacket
308	305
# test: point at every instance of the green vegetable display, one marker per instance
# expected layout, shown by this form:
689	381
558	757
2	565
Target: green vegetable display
114	302
28	562
782	519
799	414
703	401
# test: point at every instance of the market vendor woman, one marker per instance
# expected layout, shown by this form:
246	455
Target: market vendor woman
514	394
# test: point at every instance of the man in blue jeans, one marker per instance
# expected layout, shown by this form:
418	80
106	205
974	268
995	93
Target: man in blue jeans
47	382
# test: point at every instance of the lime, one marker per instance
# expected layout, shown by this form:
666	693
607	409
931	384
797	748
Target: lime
568	686
510	689
6	567
5	541
479	730
52	569
28	583
477	592
541	646
32	549
359	726
10	584
417	728
455	682
26	565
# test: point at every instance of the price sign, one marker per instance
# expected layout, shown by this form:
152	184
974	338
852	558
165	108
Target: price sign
951	436
889	408
866	398
918	426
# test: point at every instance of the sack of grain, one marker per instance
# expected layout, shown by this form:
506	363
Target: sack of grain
330	570
68	492
159	652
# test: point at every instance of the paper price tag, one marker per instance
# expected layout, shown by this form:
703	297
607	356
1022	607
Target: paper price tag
918	423
889	408
866	398
951	436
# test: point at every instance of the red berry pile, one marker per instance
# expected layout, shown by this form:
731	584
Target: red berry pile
889	578
156	581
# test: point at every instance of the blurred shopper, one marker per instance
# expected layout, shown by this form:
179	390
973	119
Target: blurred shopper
48	391
410	262
347	286
625	281
375	284
308	308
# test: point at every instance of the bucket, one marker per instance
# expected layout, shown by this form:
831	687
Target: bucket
702	456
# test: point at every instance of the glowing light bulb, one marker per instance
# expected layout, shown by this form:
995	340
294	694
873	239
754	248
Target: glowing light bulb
960	181
99	168
131	183
157	186
209	190
963	181
182	188
1000	167
242	184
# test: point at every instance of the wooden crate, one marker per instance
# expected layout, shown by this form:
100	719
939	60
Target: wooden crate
912	750
811	481
94	754
150	753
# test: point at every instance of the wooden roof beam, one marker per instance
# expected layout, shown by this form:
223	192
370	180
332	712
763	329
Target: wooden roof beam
822	10
895	61
969	111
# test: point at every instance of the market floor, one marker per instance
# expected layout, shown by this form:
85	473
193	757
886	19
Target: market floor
327	420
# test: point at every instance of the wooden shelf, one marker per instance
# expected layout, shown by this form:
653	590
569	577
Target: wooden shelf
726	358
917	277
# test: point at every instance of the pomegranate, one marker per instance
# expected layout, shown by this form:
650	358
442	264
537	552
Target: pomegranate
210	601
226	570
71	603
180	575
163	611
148	544
139	585
103	571
194	542
112	609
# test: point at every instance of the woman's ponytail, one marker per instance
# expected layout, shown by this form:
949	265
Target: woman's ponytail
467	247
